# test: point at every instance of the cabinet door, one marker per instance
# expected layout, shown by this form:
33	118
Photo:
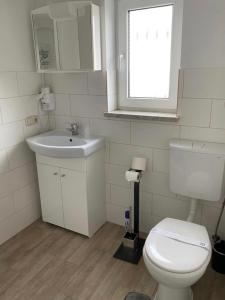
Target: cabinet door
74	196
50	191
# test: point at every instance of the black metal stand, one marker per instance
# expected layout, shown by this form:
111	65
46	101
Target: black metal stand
136	207
126	251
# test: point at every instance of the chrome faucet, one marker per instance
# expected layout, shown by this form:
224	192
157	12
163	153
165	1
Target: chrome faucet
74	128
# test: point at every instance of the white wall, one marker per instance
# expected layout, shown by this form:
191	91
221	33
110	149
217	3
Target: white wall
19	84
82	97
203	34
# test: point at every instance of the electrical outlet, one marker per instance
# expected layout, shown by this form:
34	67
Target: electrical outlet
31	120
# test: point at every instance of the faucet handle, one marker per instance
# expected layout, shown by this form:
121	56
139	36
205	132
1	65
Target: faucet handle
73	127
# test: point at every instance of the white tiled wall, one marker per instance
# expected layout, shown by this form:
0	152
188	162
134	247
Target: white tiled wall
82	97
202	118
19	84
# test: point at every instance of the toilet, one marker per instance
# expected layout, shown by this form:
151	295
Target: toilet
176	252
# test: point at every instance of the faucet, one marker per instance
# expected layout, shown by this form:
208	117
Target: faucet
74	128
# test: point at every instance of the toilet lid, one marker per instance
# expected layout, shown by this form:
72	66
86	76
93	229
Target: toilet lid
173	255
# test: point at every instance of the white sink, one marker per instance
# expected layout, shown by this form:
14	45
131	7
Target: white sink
64	144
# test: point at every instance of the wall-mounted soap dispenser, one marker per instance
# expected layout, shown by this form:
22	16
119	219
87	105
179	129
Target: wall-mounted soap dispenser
47	99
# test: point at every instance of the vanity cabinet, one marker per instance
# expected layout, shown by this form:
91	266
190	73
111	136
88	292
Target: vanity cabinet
72	192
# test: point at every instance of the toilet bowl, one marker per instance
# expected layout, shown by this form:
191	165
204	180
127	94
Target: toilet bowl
176	263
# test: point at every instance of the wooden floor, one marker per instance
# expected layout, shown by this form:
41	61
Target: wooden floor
45	262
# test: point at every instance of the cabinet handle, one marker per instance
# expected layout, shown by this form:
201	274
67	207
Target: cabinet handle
63	175
55	173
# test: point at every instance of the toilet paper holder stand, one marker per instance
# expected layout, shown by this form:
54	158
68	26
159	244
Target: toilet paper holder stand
131	247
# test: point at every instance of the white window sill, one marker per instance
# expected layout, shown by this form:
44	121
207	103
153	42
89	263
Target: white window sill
142	115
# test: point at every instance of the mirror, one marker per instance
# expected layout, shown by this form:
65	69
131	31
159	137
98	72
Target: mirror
67	37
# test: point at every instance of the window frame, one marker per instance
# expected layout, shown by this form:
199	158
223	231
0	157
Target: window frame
148	104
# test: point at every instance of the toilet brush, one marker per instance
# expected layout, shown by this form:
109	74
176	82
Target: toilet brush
216	237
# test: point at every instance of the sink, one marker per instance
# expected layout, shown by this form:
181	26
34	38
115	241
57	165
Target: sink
63	144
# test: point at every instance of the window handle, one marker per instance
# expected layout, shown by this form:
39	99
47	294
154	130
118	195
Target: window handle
55	173
121	61
63	175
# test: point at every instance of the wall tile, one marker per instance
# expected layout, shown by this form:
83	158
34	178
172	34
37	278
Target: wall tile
8	84
97	83
7	228
115	131
11	134
29	83
13	109
122	154
22	176
203	134
121	196
44	123
19	155
68	83
116	175
16	50
62	105
204	83
27	215
218	114
195	112
170	207
157	183
114	214
4	163
32	106
88	106
161	160
6	207
107	152
146	201
18	85
31	130
209	218
145	221
25	196
108	192
153	135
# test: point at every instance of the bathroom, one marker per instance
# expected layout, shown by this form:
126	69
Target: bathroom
41	255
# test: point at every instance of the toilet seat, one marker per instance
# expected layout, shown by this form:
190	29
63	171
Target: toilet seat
175	256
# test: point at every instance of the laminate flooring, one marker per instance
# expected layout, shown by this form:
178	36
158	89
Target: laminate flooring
45	262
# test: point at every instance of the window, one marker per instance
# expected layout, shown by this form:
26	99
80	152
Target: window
149	50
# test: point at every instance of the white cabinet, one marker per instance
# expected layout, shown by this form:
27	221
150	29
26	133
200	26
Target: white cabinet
74	195
50	192
72	192
67	37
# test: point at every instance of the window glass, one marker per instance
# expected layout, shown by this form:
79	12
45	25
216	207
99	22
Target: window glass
149	52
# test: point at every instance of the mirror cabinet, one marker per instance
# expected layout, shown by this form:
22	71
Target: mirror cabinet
67	37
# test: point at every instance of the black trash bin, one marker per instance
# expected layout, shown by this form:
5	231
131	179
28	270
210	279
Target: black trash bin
218	256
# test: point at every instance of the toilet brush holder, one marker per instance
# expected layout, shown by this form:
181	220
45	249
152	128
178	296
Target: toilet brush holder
130	240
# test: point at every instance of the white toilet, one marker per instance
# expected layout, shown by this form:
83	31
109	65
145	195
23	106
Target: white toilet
176	252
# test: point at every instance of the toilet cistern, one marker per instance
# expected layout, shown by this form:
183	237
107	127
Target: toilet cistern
197	171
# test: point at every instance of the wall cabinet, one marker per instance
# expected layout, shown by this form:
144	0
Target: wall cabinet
67	37
72	192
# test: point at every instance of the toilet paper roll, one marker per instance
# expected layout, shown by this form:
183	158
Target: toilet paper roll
132	176
139	163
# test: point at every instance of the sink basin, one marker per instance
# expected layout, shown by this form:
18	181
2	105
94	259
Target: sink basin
63	144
